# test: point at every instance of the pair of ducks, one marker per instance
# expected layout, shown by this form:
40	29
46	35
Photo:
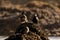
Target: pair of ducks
25	29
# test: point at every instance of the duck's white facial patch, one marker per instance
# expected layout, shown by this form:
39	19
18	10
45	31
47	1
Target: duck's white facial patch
37	17
27	29
26	18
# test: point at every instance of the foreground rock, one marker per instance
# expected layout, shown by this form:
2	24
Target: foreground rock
28	31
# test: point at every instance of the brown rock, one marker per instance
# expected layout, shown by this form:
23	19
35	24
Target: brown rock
35	33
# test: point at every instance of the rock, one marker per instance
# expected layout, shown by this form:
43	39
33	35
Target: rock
35	33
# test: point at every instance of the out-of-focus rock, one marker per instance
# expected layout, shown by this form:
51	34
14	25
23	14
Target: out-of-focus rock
48	14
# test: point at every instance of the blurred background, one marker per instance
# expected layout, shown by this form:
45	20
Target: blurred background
25	1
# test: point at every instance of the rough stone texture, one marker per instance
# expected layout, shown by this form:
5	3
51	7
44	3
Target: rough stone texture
35	32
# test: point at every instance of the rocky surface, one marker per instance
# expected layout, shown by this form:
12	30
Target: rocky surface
28	31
